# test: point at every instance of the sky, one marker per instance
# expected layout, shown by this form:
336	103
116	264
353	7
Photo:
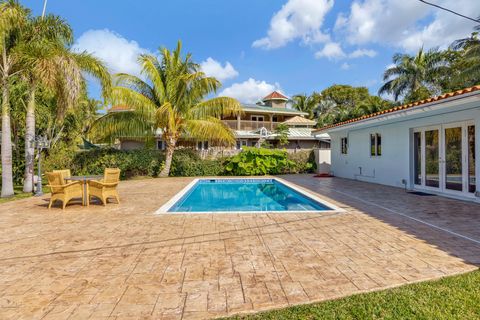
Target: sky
255	46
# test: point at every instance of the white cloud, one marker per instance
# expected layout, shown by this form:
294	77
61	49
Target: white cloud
296	19
213	68
249	91
406	24
362	53
118	53
332	51
345	66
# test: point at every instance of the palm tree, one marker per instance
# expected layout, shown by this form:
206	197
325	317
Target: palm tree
49	62
467	64
415	77
304	103
172	100
12	18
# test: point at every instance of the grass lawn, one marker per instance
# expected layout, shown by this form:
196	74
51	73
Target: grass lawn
456	297
19	194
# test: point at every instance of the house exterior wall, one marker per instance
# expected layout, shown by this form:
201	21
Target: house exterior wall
131	145
396	162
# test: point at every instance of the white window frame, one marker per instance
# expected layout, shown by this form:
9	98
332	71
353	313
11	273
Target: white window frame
375	136
344	145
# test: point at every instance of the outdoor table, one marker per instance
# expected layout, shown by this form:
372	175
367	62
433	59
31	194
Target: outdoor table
84	179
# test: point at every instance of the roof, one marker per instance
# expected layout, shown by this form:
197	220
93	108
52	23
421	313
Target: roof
297	134
119	108
257	108
403	107
275	95
297	120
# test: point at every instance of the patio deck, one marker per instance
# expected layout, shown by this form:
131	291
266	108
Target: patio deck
123	262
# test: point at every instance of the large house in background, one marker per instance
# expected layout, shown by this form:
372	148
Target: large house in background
255	126
259	122
431	146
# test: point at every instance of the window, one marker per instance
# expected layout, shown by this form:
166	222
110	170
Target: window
160	145
344	145
241	144
375	145
202	145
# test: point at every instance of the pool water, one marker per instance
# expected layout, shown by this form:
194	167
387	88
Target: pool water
238	195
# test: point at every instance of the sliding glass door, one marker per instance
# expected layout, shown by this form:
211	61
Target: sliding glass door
453	159
444	158
432	158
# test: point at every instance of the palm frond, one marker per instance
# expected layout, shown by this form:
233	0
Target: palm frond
216	107
211	129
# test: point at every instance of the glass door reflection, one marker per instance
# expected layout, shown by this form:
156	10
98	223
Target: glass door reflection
453	159
432	165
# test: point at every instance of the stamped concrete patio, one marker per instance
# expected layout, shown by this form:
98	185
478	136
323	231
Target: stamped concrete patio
123	262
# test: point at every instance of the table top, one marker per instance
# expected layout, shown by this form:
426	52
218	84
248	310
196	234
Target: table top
82	178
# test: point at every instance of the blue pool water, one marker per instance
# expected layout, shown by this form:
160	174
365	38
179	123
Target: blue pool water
244	195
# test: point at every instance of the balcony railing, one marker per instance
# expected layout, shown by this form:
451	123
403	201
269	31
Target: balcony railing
249	125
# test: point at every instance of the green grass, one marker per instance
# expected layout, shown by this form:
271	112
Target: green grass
456	297
19	194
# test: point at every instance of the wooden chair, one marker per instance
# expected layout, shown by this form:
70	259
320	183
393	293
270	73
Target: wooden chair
63	191
66	173
106	187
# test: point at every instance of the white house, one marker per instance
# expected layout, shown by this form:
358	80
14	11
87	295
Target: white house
430	146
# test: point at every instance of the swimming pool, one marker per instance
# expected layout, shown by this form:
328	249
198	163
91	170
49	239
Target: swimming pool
243	195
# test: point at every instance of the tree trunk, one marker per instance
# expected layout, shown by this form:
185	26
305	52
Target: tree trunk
29	141
7	174
168	157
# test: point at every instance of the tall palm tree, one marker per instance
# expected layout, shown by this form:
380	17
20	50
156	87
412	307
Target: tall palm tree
415	77
304	103
172	100
12	18
468	62
50	63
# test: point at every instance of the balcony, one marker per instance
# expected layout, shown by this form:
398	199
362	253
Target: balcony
248	125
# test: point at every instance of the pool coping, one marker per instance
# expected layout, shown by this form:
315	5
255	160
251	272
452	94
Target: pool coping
307	193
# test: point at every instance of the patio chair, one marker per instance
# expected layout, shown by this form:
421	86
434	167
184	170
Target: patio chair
106	187
66	173
63	191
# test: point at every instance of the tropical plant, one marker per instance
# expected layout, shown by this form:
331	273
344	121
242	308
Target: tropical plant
282	134
415	77
304	103
170	99
343	102
258	161
12	18
49	62
465	62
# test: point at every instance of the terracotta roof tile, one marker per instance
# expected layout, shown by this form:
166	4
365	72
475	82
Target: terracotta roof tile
403	107
275	95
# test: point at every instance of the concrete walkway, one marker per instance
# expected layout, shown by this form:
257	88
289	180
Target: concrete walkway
123	262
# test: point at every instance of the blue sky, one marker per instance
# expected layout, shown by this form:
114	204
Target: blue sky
296	46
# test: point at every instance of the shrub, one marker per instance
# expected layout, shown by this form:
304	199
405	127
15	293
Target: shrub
302	161
141	162
187	163
258	161
59	156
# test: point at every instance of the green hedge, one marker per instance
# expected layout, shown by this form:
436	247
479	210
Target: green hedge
303	161
186	162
